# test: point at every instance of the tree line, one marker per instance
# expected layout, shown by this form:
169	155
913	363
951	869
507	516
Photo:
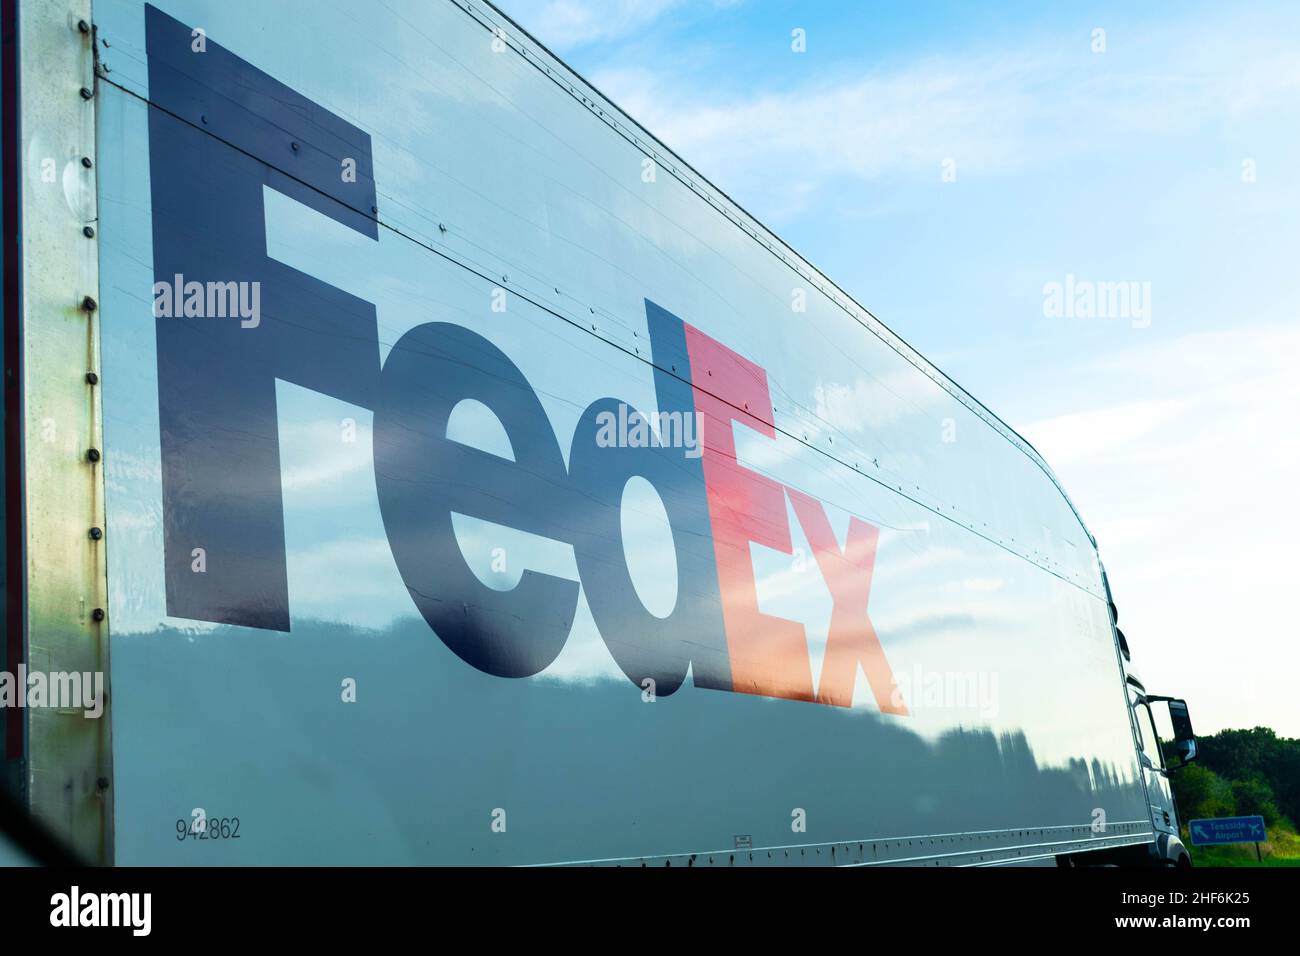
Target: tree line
1239	773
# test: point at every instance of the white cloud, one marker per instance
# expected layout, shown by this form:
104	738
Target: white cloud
1085	436
1191	499
864	127
992	114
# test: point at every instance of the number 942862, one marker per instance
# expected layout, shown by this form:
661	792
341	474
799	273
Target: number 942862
202	827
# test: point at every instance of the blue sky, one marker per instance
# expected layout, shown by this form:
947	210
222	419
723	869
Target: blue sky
945	164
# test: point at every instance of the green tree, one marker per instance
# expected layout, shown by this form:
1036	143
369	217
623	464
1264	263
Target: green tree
1254	795
1253	758
1200	792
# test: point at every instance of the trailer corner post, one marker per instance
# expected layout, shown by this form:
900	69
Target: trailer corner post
69	757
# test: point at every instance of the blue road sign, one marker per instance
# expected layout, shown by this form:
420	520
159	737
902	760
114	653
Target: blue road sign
1227	830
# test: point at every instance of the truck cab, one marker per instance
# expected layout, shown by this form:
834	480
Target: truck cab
1167	849
1156	767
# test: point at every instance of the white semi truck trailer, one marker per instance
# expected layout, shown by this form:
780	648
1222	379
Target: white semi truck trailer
414	460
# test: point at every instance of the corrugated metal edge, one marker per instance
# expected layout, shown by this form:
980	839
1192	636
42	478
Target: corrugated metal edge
535	52
69	755
973	848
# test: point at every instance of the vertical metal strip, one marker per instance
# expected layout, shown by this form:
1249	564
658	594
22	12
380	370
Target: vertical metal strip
69	773
10	169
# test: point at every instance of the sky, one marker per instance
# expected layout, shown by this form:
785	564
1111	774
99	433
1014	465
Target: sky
973	178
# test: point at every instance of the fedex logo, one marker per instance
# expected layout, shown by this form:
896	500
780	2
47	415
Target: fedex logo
220	445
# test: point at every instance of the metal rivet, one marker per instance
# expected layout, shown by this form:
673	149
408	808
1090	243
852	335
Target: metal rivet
204	119
86	161
83	26
97	614
102	782
96	534
92	378
92	455
294	147
87	93
88	232
89	304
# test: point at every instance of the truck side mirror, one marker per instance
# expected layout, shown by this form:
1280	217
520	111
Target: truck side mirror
1184	736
